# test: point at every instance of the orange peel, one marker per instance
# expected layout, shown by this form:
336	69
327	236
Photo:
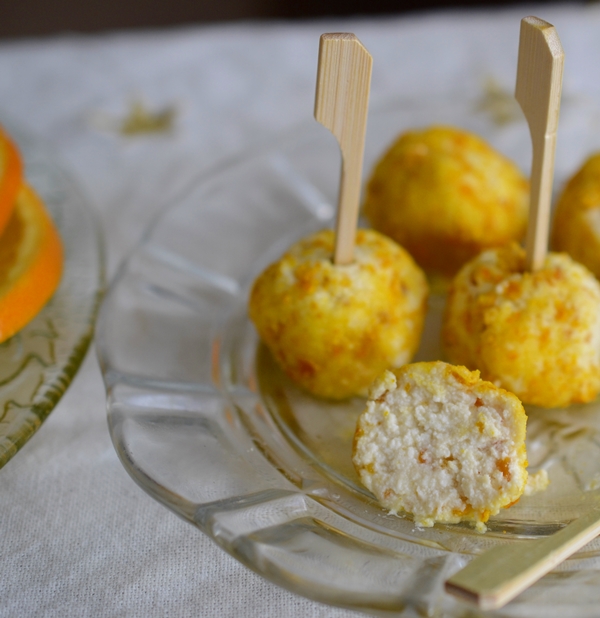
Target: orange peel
31	262
11	177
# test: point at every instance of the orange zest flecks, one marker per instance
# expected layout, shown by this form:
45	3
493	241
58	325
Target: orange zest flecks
31	262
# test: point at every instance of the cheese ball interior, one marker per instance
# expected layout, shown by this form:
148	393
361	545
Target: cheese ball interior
445	195
576	228
536	334
439	443
335	328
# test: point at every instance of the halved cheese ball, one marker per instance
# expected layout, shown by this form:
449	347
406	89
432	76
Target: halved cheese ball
536	334
576	227
446	195
334	328
439	443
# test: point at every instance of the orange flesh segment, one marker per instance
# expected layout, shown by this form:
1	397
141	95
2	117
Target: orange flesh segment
11	176
31	263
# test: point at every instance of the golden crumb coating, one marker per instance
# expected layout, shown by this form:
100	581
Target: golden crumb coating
439	443
536	334
446	195
334	328
576	227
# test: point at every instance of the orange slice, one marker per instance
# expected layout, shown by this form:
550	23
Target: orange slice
11	176
31	262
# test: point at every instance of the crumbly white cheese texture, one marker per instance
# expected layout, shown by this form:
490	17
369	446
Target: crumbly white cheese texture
536	482
437	442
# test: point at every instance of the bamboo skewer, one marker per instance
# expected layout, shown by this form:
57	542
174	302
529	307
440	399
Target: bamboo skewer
499	575
538	90
341	105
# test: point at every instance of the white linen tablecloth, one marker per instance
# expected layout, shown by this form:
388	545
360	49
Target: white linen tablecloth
79	537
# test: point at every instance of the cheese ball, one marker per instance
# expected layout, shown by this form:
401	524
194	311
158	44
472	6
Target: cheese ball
576	228
439	443
334	328
446	195
537	334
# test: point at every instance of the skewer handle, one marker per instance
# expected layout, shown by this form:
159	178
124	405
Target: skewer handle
341	105
538	90
499	575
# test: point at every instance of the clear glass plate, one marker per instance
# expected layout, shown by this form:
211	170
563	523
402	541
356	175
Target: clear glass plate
206	423
39	362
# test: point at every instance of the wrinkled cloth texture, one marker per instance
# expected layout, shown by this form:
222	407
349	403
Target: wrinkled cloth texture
79	537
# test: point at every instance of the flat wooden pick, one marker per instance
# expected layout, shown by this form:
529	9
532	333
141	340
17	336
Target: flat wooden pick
538	90
341	105
499	575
